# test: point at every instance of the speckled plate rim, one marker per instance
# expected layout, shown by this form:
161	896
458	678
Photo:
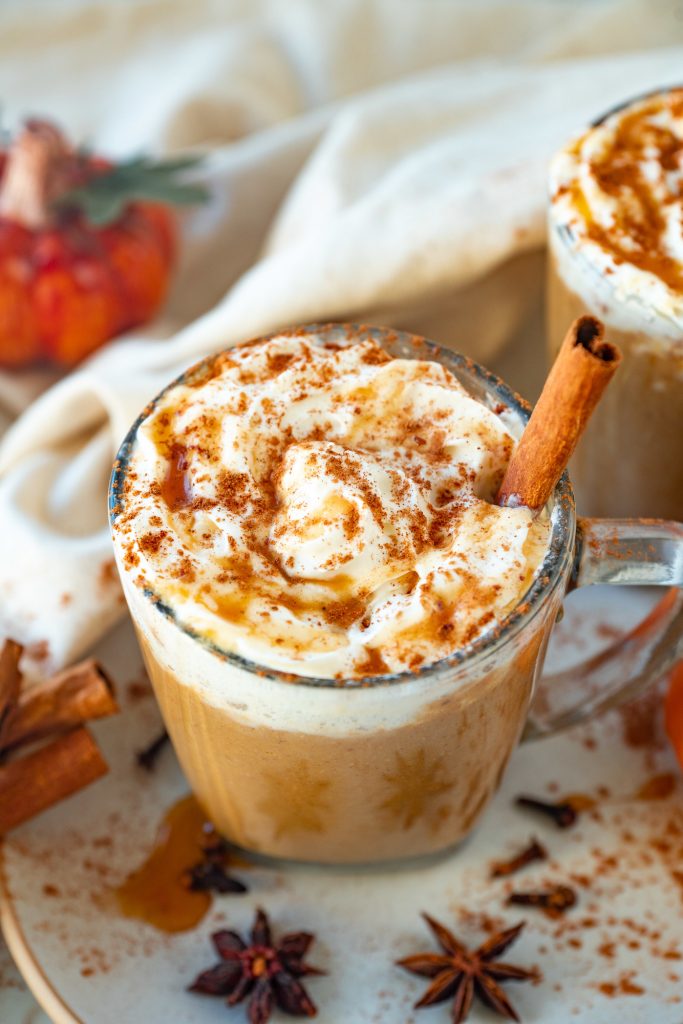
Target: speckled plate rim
33	974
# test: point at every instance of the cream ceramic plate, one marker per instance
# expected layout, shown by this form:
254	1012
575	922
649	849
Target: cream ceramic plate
17	1005
615	957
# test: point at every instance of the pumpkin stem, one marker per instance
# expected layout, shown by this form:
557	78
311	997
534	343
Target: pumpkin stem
36	173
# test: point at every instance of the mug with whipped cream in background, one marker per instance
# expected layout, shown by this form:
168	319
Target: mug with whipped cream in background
343	629
616	251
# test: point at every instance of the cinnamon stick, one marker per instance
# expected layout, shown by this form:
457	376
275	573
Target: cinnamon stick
78	694
584	367
33	783
10	677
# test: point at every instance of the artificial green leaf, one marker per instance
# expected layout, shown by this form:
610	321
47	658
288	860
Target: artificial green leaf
104	198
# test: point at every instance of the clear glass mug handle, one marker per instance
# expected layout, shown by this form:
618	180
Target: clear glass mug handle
644	552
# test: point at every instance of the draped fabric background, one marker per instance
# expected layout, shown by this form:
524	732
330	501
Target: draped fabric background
380	160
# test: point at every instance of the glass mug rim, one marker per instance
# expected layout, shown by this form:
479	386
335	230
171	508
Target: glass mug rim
659	90
550	573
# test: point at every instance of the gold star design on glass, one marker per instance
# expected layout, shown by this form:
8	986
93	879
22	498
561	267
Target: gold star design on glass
416	788
296	802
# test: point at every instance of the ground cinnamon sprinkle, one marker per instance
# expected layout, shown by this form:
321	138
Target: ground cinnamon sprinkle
351	522
374	431
343	613
344	471
278	362
658	788
375	356
130	557
643	850
625	986
232	490
151	542
108	573
642	721
183	569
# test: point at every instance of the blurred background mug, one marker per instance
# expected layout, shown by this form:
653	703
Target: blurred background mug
615	244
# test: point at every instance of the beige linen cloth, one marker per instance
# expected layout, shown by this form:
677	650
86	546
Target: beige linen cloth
382	161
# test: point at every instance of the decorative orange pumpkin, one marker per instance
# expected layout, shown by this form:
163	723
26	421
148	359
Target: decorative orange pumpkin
86	246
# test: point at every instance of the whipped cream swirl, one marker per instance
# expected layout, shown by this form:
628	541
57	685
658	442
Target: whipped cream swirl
617	199
325	509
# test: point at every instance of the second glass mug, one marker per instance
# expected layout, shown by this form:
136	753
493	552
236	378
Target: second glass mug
401	765
630	461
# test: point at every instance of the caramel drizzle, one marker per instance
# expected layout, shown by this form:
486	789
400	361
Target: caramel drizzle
638	236
258	576
175	488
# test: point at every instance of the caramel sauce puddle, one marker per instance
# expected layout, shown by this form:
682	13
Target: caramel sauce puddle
155	893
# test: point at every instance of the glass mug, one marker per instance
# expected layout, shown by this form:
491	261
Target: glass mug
630	460
399	765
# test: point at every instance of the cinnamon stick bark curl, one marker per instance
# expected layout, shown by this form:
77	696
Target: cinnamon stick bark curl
33	783
79	694
10	677
584	367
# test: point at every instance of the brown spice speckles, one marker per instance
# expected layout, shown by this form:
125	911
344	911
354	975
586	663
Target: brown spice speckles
642	722
624	986
215	518
183	569
659	787
233	490
151	543
108	575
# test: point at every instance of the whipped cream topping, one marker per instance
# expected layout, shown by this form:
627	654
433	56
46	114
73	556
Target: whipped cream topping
617	198
325	509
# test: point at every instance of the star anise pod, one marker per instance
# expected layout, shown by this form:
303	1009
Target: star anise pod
265	971
459	973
